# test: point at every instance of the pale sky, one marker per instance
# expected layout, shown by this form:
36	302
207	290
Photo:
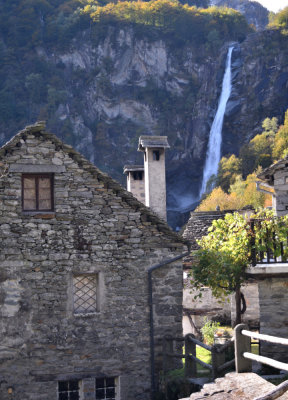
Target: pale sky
273	5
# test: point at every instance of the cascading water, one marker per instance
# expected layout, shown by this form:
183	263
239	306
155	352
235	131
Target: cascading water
215	137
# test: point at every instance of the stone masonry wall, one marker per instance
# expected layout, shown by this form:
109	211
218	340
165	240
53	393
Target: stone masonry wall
273	298
93	230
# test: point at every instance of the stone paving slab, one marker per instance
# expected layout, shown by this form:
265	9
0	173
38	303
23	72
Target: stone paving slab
246	386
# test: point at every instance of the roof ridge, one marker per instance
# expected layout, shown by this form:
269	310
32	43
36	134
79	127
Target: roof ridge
40	128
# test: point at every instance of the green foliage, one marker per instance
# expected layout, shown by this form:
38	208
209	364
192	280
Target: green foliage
259	150
225	252
208	331
280	149
229	168
270	231
280	20
223	255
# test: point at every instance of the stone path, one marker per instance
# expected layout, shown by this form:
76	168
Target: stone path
246	386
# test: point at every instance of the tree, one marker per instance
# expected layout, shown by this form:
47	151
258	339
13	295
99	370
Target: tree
222	259
229	168
226	252
219	198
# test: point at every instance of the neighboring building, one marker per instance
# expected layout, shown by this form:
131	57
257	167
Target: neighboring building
275	180
75	253
273	276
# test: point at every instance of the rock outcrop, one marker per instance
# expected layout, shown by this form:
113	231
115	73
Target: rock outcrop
123	83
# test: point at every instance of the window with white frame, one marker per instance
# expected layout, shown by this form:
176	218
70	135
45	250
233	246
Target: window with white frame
105	389
85	293
68	390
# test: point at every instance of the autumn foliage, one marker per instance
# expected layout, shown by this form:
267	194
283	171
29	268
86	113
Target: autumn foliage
237	176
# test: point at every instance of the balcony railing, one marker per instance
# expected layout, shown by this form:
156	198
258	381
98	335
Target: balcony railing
268	248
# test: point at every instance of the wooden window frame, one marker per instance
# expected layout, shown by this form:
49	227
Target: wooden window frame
37	176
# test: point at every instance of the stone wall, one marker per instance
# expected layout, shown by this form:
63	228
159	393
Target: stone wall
97	229
213	308
273	298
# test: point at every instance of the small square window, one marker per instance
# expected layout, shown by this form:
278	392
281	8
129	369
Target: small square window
105	389
68	390
85	293
37	192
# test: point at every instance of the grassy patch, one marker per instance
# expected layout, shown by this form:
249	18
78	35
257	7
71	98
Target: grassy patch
205	356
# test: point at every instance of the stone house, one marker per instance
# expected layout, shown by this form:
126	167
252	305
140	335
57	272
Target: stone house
80	257
273	277
275	179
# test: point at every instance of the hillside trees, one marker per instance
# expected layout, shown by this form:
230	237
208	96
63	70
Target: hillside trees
280	149
187	23
237	176
280	20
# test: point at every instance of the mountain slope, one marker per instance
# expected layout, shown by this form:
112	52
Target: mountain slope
102	84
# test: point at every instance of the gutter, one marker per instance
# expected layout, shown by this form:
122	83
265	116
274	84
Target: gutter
151	319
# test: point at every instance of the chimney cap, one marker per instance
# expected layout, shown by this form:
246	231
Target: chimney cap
132	168
153	142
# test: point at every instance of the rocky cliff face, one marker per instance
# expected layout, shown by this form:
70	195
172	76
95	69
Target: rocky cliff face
121	85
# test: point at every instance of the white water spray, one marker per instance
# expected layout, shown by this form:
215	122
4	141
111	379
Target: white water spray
215	137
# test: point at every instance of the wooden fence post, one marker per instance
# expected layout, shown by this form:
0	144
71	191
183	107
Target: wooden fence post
242	345
218	359
167	349
190	364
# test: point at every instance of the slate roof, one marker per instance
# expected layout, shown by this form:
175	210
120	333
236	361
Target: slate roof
39	130
153	141
267	173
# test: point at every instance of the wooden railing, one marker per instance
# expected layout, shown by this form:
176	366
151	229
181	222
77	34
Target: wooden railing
244	357
218	351
271	250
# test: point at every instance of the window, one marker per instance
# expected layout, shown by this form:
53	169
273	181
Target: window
68	390
85	293
138	175
156	155
105	389
37	192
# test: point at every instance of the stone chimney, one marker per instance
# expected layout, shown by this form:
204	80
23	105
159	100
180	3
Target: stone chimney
136	181
154	171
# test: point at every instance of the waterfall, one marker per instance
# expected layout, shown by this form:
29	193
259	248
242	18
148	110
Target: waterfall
215	136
